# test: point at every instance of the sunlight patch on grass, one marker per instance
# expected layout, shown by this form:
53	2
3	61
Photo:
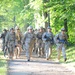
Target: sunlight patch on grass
3	64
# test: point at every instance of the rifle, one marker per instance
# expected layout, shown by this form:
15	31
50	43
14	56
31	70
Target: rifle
49	39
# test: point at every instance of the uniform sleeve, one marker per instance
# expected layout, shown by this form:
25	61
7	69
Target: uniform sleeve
43	37
56	38
24	37
52	37
34	36
66	37
1	36
37	37
6	38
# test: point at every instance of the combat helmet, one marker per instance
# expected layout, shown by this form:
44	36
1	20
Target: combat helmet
16	28
49	27
63	29
30	27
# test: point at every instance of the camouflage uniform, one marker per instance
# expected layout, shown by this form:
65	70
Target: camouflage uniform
3	35
39	42
48	39
18	35
28	41
10	41
61	40
18	47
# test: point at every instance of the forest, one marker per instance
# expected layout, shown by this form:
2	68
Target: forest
54	13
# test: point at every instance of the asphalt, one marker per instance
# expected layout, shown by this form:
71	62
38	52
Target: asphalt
37	66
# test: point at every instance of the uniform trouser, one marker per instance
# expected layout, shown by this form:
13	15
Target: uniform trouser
11	48
61	47
28	48
6	50
48	49
40	47
3	47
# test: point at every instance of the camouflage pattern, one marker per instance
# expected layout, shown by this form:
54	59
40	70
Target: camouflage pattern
3	35
19	37
60	40
39	43
28	42
10	42
48	43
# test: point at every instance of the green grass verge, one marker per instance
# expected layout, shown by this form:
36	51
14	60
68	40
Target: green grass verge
70	53
3	64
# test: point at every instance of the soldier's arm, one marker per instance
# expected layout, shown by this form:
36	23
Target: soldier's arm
1	36
24	38
56	38
43	37
37	37
6	38
52	37
66	38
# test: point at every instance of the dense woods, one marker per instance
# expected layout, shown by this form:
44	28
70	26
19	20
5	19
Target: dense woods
54	13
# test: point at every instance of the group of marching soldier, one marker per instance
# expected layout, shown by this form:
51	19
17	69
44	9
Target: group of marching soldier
39	41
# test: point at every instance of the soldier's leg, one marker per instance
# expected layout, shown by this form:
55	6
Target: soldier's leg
43	50
59	46
59	53
9	51
3	47
31	49
15	52
36	48
18	51
50	51
6	51
20	47
39	49
64	53
27	51
12	52
47	50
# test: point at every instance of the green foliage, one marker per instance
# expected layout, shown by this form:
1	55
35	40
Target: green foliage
31	12
2	64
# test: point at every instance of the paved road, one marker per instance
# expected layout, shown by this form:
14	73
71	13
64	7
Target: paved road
37	66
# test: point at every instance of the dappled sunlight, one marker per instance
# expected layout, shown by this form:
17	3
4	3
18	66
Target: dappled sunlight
3	64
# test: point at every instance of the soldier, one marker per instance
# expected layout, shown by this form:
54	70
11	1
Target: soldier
61	40
48	39
10	41
18	47
28	41
3	35
39	42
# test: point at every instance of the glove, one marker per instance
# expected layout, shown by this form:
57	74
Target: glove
23	43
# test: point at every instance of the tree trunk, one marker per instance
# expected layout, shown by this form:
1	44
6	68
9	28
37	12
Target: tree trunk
65	26
46	14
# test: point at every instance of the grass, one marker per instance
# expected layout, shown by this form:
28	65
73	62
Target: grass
70	53
3	64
